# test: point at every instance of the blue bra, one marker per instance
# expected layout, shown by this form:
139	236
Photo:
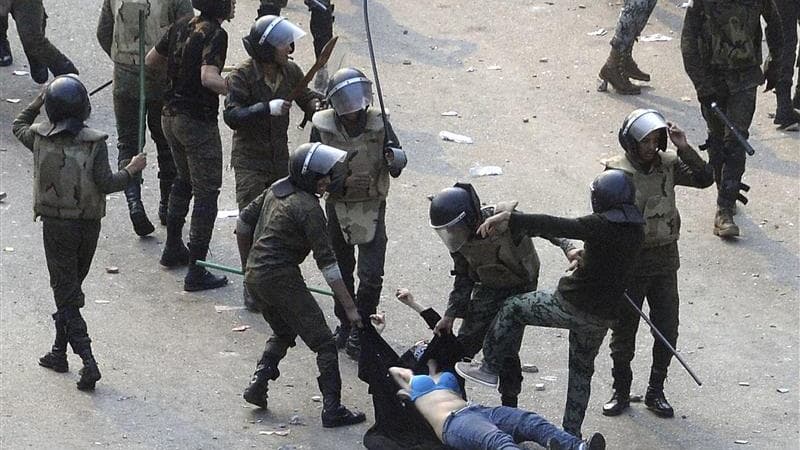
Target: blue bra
423	384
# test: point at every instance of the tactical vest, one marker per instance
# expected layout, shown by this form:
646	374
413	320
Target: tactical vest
655	197
498	262
734	28
125	45
358	210
63	183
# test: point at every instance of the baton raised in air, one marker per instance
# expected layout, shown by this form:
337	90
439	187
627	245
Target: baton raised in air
747	147
661	338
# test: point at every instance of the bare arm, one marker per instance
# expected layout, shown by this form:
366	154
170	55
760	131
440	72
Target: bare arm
406	298
212	80
155	60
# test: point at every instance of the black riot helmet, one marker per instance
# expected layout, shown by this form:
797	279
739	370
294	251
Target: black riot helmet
455	214
66	103
268	33
638	125
349	90
215	9
614	197
310	162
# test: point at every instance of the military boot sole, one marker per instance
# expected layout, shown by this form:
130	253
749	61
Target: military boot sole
175	259
88	379
56	365
726	232
664	413
607	75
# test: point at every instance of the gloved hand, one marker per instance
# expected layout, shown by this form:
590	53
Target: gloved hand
771	74
279	107
707	99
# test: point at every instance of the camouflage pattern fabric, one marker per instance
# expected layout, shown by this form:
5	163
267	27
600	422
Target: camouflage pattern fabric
69	247
358	220
31	20
251	182
632	20
538	308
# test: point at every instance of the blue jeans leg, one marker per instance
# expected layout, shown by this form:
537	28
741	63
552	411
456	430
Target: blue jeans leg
472	429
525	426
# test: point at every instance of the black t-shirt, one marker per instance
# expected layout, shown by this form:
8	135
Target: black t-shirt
191	43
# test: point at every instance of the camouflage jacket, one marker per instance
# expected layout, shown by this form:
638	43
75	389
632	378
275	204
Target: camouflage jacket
261	139
285	231
71	172
721	43
118	27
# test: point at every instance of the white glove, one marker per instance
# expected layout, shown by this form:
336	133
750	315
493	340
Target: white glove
279	107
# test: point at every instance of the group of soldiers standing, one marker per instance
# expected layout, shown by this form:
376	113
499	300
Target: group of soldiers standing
630	240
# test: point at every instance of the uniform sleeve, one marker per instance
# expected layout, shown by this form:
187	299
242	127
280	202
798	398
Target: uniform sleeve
215	50
238	110
105	27
181	8
431	317
250	214
774	31
458	301
22	126
565	245
105	180
582	228
316	232
162	47
691	41
691	170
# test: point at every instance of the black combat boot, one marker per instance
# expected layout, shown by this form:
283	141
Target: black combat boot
56	358
654	398
175	252
621	398
266	370
334	414
612	72
78	337
141	224
165	186
785	115
198	278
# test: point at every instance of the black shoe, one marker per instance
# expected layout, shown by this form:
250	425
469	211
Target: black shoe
595	442
256	392
656	402
5	53
620	401
56	361
174	256
340	336
141	224
340	417
90	375
199	279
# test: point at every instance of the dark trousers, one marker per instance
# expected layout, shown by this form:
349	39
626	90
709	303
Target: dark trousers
725	153
31	22
69	246
371	258
661	292
291	311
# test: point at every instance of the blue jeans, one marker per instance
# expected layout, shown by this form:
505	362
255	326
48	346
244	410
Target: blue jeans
500	428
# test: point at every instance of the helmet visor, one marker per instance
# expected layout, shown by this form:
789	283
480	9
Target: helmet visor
321	159
455	233
351	95
646	124
280	33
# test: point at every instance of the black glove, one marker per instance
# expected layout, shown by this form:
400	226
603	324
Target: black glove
771	74
707	99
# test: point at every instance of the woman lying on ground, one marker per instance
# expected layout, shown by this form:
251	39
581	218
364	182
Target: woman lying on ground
438	397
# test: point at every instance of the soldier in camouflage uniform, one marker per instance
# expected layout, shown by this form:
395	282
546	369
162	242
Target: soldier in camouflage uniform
118	35
620	65
487	271
721	47
587	302
257	113
781	68
31	23
321	25
193	51
655	175
275	233
69	157
356	201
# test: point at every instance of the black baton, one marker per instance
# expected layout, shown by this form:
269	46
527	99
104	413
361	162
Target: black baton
747	147
101	87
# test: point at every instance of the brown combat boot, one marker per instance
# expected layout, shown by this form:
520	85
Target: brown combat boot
630	69
724	226
612	72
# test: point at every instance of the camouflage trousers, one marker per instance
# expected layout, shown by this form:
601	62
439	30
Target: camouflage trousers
291	311
69	246
661	292
586	333
484	305
368	266
632	20
725	154
252	179
31	21
126	111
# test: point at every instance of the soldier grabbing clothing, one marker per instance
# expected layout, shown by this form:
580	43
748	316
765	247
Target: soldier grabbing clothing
275	233
587	302
721	47
487	271
655	174
256	110
194	51
70	158
356	200
118	35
